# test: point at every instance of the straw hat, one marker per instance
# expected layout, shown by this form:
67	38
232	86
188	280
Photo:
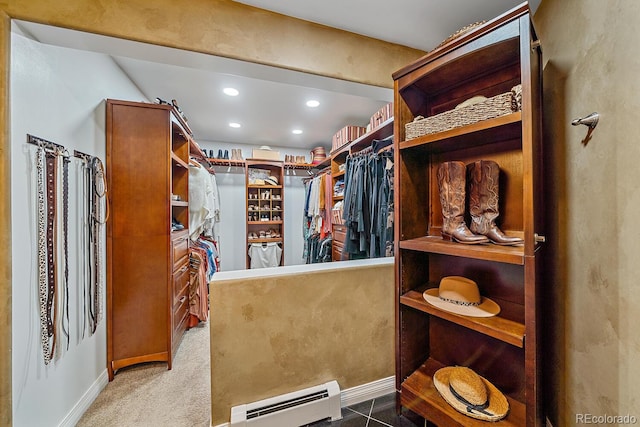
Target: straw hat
271	180
470	394
460	295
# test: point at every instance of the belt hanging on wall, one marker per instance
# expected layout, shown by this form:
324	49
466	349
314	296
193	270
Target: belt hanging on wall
95	213
53	300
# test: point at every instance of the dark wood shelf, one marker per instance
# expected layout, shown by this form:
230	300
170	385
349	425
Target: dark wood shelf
179	203
497	327
499	129
487	252
338	174
419	394
337	198
263	186
264	222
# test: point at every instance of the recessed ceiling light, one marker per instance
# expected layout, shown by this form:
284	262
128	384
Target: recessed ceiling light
312	103
230	91
297	131
234	125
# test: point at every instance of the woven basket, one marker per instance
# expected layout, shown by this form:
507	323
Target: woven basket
460	32
499	105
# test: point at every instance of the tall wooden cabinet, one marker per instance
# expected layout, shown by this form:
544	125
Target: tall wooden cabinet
147	250
488	60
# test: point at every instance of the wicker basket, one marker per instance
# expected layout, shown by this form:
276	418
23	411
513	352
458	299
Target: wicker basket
499	105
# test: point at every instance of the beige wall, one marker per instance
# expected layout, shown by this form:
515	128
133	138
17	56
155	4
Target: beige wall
591	311
277	334
220	27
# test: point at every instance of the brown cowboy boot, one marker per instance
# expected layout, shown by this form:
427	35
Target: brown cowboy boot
483	202
451	184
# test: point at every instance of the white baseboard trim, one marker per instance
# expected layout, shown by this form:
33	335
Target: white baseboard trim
87	399
358	394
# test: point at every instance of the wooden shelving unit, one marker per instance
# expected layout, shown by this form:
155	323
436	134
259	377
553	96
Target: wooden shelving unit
487	60
265	206
148	148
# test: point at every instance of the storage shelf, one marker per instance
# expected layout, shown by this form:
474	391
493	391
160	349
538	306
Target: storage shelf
264	222
497	327
338	174
420	395
226	162
500	129
337	198
179	203
487	252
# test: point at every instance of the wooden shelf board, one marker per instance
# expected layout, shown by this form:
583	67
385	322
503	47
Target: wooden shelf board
265	240
419	394
338	198
337	174
179	161
487	252
179	203
501	128
497	327
264	222
263	186
225	162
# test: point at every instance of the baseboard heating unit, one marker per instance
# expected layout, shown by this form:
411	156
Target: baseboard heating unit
291	409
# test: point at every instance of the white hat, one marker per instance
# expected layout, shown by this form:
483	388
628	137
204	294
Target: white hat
460	295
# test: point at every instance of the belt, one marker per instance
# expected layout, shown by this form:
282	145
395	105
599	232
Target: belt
42	254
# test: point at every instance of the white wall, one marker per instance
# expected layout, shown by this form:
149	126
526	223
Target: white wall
57	94
233	215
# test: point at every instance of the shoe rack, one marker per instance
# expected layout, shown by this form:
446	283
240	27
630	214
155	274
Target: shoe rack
265	205
488	60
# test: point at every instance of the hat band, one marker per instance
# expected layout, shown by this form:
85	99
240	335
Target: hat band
470	406
457	302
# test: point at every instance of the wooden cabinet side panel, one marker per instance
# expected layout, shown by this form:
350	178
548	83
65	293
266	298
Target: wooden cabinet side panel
139	297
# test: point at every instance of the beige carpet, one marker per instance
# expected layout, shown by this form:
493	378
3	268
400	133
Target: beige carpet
151	395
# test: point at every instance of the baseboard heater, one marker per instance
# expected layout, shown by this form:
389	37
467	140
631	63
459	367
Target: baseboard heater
292	409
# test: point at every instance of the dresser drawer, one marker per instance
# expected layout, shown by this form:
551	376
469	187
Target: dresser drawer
180	283
179	249
339	233
337	252
180	312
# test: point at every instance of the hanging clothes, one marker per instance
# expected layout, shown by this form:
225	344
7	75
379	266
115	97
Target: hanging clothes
317	211
265	255
368	204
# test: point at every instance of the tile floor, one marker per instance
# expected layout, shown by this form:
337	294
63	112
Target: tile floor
378	412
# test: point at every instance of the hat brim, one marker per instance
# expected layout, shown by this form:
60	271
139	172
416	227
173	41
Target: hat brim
498	403
487	307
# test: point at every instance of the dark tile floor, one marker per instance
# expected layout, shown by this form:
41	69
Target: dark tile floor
378	412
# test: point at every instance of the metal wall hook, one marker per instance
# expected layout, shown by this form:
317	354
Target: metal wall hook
591	120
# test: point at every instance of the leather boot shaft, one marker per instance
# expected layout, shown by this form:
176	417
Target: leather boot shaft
484	197
452	188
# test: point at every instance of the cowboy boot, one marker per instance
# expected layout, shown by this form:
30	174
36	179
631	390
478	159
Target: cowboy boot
451	185
483	202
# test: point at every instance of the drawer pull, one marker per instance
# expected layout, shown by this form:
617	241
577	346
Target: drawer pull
183	269
182	299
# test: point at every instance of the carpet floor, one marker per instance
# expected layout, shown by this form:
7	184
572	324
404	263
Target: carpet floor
150	395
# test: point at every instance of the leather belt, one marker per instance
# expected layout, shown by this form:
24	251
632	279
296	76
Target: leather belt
51	168
65	243
42	253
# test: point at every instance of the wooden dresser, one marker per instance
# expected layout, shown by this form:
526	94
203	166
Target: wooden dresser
147	256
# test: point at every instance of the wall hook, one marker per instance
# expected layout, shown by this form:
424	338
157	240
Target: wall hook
591	121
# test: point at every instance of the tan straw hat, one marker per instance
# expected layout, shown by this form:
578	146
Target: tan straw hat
470	394
460	295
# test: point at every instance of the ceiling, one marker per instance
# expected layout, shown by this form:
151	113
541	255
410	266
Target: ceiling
271	100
